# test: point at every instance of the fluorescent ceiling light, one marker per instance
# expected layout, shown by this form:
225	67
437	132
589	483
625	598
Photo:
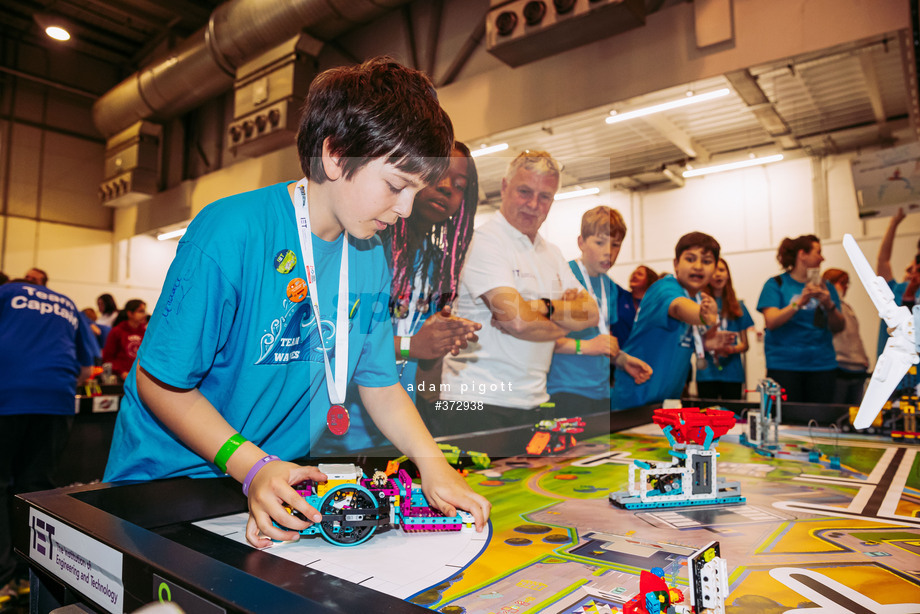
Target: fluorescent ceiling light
484	151
175	234
732	165
665	106
576	193
57	33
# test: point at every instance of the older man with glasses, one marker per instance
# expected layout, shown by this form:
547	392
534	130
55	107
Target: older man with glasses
522	286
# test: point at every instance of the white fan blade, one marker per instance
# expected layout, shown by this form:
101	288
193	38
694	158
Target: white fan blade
876	287
892	365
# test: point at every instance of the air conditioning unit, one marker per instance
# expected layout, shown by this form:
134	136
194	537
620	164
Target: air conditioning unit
268	94
521	31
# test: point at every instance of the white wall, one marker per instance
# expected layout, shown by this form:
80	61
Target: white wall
83	263
749	212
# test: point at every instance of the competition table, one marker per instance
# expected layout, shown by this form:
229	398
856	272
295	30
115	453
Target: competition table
133	544
140	537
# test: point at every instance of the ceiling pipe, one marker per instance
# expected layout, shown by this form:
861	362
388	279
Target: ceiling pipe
204	65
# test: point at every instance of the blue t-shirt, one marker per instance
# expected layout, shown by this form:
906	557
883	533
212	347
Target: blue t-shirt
730	368
589	376
44	340
665	343
226	325
797	345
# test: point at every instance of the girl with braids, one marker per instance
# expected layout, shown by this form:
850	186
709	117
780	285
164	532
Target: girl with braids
426	252
801	312
723	375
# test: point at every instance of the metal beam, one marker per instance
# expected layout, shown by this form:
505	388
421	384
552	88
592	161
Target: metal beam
678	137
867	64
747	88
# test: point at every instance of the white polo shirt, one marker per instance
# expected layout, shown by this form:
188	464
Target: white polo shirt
501	369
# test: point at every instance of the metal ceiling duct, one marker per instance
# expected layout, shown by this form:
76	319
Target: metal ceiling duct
204	65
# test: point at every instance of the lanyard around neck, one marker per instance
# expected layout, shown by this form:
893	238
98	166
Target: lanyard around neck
335	386
698	347
601	304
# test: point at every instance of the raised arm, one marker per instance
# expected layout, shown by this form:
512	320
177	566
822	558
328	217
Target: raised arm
883	266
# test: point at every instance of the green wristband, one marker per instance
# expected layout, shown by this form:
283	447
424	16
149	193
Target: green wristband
226	451
578	346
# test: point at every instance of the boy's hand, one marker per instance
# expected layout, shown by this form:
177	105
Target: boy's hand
709	310
601	345
446	490
441	334
268	492
637	369
717	341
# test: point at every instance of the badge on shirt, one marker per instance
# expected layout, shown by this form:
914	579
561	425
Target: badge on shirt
297	290
285	260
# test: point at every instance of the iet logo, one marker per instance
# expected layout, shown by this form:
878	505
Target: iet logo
42	533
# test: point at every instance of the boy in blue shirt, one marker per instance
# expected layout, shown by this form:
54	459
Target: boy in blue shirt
278	297
666	332
579	378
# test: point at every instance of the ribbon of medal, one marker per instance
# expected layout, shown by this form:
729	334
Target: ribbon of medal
337	419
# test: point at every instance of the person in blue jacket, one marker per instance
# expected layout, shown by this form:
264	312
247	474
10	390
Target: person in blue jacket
278	297
46	349
801	312
579	377
675	320
723	375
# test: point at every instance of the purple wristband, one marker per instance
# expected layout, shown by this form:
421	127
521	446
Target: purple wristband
255	469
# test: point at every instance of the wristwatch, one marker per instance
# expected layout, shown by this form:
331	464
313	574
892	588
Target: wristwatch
549	308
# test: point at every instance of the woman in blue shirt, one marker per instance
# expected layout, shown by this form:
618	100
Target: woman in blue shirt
723	375
801	312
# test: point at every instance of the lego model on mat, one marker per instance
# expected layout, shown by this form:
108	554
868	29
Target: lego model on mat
901	348
690	477
762	425
708	580
554	436
354	506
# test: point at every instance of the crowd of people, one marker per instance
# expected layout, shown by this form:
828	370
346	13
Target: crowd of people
299	318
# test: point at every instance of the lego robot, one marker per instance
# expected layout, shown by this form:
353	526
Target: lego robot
690	478
354	506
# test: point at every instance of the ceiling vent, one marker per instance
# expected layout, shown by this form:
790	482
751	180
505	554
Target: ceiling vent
522	31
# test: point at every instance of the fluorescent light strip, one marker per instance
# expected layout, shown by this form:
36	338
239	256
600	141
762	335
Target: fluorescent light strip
484	151
665	106
576	193
174	234
732	166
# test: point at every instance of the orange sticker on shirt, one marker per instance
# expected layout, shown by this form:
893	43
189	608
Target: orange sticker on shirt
297	290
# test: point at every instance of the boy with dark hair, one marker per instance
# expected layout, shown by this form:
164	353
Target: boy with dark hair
278	297
665	334
579	378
